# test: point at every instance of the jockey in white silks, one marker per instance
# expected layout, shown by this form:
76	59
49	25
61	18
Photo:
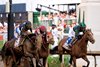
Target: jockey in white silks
23	30
55	35
68	42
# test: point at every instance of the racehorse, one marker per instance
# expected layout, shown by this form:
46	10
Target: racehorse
10	54
31	45
28	49
78	50
44	50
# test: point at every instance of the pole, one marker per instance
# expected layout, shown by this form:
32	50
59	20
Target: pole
10	22
49	7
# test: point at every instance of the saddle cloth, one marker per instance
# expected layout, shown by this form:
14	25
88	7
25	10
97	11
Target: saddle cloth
69	40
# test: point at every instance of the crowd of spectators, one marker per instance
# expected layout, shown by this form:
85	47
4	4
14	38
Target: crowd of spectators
60	24
62	20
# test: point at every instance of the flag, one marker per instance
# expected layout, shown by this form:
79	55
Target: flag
83	21
79	18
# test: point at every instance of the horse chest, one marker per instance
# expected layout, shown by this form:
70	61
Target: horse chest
44	53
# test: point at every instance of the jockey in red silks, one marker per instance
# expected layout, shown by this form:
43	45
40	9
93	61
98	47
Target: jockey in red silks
41	30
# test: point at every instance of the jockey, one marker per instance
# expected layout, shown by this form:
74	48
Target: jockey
43	29
79	30
24	28
71	35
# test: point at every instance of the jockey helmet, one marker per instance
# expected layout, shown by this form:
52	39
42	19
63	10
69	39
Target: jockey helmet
28	24
42	29
82	24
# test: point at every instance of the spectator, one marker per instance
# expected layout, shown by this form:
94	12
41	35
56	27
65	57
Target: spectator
55	35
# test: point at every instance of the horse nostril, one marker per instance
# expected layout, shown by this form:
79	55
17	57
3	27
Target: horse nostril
93	41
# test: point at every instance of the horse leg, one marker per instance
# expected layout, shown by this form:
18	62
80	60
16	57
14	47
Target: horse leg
44	62
74	61
70	61
60	58
38	63
86	59
31	61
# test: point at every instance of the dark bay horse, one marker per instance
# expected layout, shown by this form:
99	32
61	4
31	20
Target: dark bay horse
28	49
10	54
79	49
44	50
31	45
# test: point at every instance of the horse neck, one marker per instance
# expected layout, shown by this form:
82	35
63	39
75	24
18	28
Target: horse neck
45	44
82	43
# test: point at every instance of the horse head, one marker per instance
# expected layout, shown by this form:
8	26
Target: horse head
50	38
89	35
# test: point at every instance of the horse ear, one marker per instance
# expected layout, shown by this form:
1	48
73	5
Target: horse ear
89	29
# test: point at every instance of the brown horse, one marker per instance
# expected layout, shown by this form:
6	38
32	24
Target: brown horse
28	49
10	54
31	45
44	50
79	49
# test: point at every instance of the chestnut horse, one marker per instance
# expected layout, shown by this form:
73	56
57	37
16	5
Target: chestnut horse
44	50
78	50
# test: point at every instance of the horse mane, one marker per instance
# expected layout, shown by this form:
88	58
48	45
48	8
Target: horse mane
31	35
49	33
83	37
82	43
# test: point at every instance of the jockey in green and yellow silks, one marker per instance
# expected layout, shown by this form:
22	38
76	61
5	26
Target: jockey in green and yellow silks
79	29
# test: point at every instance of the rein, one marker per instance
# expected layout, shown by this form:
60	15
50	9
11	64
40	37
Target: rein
30	40
81	39
44	42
